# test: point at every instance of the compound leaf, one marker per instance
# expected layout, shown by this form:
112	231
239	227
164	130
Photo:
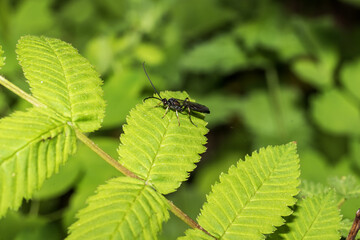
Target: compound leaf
195	234
124	208
156	148
62	79
33	146
346	186
251	199
317	217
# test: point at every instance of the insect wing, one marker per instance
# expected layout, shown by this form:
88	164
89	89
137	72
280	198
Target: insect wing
195	106
198	107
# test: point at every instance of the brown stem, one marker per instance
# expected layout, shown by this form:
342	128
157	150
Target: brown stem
355	227
104	155
88	142
174	209
15	89
189	221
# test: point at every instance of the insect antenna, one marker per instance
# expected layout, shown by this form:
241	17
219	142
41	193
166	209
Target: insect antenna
151	82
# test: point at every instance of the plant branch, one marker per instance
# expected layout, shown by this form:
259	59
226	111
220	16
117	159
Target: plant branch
88	142
174	209
355	227
185	218
15	89
341	202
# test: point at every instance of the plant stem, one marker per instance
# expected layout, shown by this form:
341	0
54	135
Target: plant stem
88	142
174	209
6	83
185	218
355	227
341	202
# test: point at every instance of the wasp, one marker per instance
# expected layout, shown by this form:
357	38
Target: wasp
177	105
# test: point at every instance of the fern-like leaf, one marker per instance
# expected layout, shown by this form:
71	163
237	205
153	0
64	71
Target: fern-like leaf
124	208
33	145
62	79
195	234
317	218
156	148
251	199
346	186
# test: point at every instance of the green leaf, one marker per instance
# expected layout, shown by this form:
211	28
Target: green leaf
272	123
150	53
251	199
346	186
224	112
59	183
33	146
156	148
196	18
309	189
271	29
345	226
2	59
32	17
312	159
316	218
124	208
318	73
195	234
16	223
95	172
123	87
219	54
63	80
334	111
350	77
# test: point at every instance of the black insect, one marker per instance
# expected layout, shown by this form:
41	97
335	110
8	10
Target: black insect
177	105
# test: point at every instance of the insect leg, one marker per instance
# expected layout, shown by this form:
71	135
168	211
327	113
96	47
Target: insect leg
177	115
157	105
167	109
190	117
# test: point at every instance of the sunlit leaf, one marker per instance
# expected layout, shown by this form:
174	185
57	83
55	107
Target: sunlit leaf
317	217
63	80
33	146
253	197
95	172
158	149
123	208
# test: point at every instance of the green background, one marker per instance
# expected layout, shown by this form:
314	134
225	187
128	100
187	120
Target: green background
270	72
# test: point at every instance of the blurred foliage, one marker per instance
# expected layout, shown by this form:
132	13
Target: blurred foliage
270	72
